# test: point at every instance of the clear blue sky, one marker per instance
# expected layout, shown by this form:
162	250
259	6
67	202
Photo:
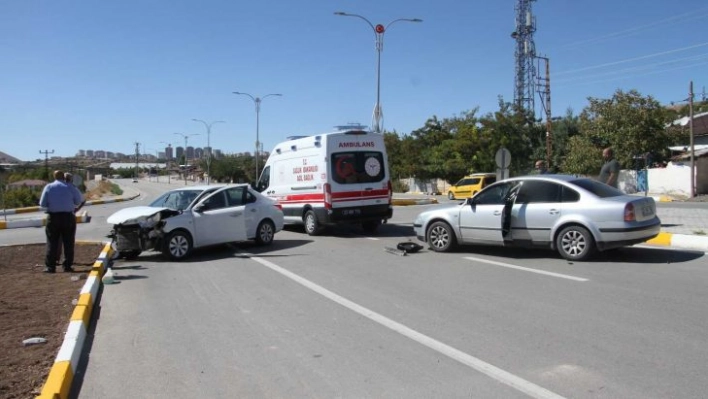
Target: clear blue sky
101	75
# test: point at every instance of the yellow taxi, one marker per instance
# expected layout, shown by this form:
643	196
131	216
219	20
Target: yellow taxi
470	185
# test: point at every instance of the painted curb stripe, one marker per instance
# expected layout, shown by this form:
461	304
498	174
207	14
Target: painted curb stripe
61	375
661	239
59	381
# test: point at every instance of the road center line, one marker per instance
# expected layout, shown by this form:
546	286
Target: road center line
481	366
526	269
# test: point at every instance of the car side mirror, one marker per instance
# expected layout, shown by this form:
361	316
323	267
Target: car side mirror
200	208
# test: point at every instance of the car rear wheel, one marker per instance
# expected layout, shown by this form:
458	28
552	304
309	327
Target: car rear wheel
440	237
450	196
312	225
575	243
265	233
178	245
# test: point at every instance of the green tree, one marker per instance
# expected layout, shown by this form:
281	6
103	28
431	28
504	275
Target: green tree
630	123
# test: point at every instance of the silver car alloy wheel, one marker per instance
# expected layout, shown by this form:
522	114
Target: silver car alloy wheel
439	237
573	242
266	233
179	246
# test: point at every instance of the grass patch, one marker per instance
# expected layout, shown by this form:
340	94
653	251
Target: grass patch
115	189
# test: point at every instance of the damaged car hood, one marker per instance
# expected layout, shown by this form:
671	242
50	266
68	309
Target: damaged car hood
137	214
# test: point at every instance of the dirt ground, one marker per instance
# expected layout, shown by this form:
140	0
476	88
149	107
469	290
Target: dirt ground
35	304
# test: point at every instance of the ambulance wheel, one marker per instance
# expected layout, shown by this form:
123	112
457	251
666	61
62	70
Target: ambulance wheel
370	227
312	225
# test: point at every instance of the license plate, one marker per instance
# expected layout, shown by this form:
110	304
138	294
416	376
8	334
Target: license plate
351	212
647	210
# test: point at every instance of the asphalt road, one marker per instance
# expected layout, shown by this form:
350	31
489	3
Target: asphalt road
338	316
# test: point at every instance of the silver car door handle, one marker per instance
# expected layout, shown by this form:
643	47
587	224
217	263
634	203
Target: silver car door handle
554	211
235	215
254	210
497	213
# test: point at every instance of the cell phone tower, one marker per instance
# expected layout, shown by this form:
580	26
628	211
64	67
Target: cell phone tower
525	55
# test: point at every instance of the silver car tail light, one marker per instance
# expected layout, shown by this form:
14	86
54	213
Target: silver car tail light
629	213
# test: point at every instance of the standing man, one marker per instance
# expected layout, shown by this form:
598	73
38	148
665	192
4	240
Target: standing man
60	199
609	173
540	167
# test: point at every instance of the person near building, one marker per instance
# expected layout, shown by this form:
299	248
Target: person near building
609	174
60	200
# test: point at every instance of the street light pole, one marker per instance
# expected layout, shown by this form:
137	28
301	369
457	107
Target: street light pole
208	128
379	31
186	160
257	102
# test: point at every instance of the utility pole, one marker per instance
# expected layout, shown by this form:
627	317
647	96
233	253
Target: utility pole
546	96
137	158
46	162
690	130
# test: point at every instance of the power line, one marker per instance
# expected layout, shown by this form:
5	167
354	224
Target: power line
635	69
635	75
692	15
632	59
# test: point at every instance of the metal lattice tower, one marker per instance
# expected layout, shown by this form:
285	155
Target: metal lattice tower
525	54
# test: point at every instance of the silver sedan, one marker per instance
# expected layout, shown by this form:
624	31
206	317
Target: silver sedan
575	216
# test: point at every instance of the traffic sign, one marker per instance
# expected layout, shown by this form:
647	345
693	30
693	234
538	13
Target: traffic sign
503	158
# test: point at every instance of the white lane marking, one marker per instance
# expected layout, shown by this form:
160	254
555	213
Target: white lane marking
494	372
526	269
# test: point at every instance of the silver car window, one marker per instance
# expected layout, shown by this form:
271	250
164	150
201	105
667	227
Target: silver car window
534	192
493	195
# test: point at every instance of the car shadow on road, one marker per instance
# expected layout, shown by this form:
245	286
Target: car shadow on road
216	252
620	255
386	230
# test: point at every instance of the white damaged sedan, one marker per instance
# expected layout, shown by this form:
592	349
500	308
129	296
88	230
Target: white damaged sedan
193	217
575	216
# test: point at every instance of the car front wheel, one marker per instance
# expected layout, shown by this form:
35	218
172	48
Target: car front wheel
575	243
265	233
440	237
178	245
450	196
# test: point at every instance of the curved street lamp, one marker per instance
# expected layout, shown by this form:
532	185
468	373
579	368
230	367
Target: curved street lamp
379	31
208	128
257	102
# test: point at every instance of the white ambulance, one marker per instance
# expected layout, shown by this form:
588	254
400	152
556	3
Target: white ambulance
331	178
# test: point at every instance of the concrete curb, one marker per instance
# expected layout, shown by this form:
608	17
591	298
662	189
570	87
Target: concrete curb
413	201
680	241
31	209
61	375
81	217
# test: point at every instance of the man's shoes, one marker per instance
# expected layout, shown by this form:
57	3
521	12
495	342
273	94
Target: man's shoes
48	270
68	269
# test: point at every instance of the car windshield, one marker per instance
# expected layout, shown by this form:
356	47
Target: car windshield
602	190
178	200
